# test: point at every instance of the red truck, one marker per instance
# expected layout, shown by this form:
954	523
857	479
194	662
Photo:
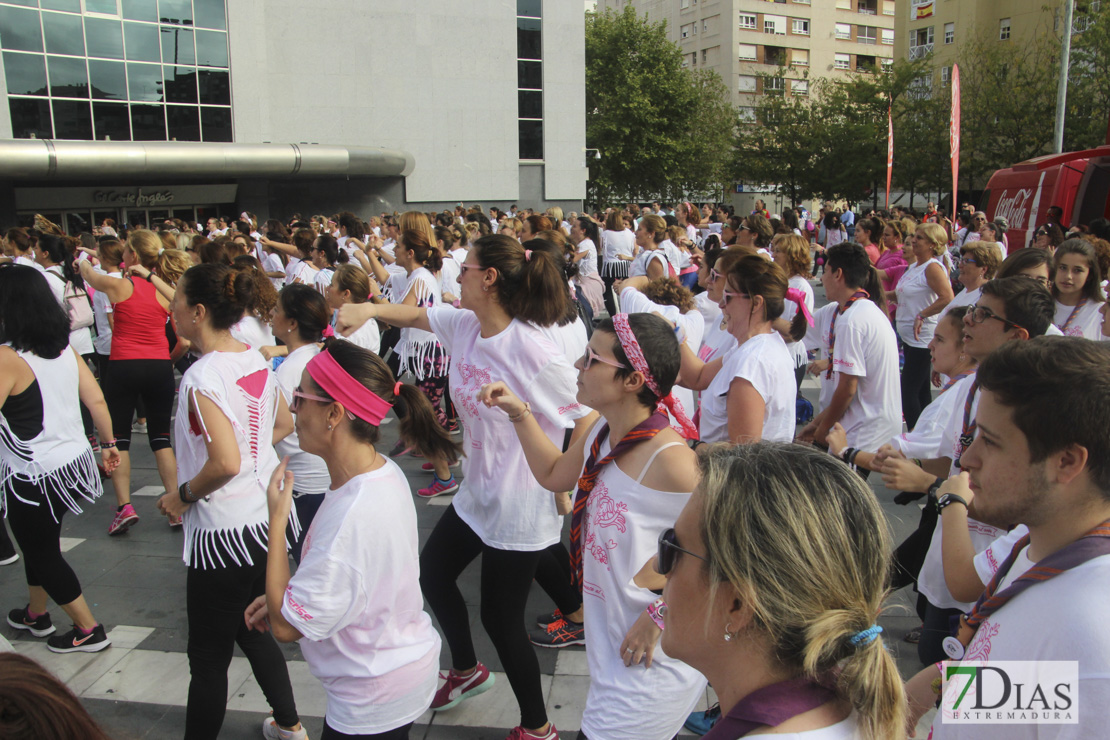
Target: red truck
1077	182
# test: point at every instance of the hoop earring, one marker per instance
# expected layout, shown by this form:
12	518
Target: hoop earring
485	288
728	632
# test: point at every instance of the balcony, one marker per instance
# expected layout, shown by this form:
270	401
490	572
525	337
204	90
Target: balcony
868	7
920	52
774	55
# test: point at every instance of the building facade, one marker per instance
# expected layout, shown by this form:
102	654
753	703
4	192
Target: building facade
148	107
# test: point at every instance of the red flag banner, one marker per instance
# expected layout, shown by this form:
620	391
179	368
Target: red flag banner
889	153
954	137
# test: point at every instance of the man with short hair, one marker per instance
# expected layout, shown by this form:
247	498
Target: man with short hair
848	218
1041	458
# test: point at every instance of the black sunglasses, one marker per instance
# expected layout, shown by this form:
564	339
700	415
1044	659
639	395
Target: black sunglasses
668	552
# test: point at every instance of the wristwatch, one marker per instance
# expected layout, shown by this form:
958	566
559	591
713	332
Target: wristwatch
932	491
948	499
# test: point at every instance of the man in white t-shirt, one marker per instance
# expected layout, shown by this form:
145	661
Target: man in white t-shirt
1041	458
862	391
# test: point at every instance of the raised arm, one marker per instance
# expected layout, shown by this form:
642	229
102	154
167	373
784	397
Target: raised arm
354	315
117	290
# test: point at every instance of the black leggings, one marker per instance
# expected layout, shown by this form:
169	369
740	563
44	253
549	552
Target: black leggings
610	302
400	733
215	601
38	536
554	577
915	382
153	382
506	578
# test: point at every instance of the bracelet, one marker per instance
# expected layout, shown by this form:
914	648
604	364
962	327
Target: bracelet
109	444
917	462
656	610
520	417
185	493
846	453
149	277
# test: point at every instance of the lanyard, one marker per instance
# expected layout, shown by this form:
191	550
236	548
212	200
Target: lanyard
832	327
953	380
967	435
1072	315
770	706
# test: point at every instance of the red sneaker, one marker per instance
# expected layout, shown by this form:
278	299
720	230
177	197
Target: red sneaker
458	688
519	733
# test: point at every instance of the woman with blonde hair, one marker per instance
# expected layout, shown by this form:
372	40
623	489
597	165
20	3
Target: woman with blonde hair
350	284
652	261
791	253
922	293
618	247
776	569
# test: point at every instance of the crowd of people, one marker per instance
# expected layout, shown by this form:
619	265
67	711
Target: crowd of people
637	369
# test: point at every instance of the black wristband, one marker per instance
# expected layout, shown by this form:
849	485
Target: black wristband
185	493
948	499
936	486
149	277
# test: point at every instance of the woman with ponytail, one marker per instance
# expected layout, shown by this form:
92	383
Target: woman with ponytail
350	284
633	475
748	394
776	571
300	319
139	365
229	415
501	511
354	603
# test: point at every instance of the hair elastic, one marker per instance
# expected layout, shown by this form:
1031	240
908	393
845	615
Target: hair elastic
796	295
527	255
329	331
635	355
865	637
340	385
397	388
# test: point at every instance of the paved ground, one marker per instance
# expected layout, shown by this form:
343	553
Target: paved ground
135	585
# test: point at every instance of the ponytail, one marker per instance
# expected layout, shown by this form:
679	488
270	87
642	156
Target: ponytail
530	285
420	428
874	288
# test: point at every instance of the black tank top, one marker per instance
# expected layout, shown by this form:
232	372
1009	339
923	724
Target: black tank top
23	412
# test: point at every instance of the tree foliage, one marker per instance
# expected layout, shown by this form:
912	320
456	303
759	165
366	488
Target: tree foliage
1089	81
663	131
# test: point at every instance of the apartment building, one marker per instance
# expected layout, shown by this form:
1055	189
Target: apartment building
743	40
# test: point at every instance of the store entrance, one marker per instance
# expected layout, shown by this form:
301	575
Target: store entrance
75	221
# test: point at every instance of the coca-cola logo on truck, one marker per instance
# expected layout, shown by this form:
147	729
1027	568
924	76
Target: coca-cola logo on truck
1015	208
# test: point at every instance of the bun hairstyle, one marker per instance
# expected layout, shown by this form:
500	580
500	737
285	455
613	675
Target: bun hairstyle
110	251
660	347
424	251
303	239
419	427
349	277
305	305
226	293
756	276
801	539
531	288
656	226
327	244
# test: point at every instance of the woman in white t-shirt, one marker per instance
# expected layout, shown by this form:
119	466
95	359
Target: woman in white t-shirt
351	285
501	511
618	246
583	234
325	258
922	293
1077	288
229	415
624	501
354	603
450	270
253	329
716	341
652	261
748	395
791	253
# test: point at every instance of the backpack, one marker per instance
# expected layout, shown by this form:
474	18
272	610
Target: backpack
77	304
803	410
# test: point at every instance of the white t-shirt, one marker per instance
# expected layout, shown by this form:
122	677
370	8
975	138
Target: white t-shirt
914	296
323	280
617	242
30	262
292	268
587	265
865	347
303	272
310	473
1063	618
449	277
639	265
253	332
765	362
621	532
366	336
674	255
790	310
271	262
1087	321
79	339
846	729
356	599
499	498
570	338
102	343
963	298
927	435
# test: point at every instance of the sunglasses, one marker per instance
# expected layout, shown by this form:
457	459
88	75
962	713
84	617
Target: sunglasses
714	276
969	261
463	267
298	394
729	295
591	357
668	552
978	314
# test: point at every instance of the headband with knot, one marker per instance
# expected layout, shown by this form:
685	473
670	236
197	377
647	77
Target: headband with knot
796	295
635	355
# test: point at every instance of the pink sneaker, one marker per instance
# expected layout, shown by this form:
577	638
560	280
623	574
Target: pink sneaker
123	520
457	688
519	733
439	488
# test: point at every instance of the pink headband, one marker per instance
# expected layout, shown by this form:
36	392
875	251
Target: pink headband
793	294
639	363
355	397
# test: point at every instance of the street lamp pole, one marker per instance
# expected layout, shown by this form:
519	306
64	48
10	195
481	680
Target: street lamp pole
1062	86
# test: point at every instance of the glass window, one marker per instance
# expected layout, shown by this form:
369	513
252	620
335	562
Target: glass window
747	21
104	38
144	82
211	48
68	78
888	35
800	27
28	3
181	84
528	39
72	120
215	87
844	30
949	33
108	80
112	121
142	42
104	7
747	52
530	103
183	122
73	6
20	29
216	124
530	8
30	118
63	33
529	74
176	11
140	10
77	222
177	46
148	122
747	83
26	74
531	139
1004	29
210	14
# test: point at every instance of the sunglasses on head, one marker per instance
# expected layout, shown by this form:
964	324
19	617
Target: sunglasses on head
668	552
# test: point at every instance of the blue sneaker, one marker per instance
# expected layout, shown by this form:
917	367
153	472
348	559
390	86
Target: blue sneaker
700	723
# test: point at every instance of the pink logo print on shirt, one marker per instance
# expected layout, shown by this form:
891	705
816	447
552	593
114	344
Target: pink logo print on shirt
604	512
300	610
253	386
473	378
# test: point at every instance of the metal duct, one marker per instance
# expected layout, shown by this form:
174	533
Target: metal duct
47	159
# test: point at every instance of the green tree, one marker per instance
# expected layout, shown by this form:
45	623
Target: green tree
1088	106
663	131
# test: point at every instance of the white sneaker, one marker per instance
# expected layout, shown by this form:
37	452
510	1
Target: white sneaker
271	731
137	428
